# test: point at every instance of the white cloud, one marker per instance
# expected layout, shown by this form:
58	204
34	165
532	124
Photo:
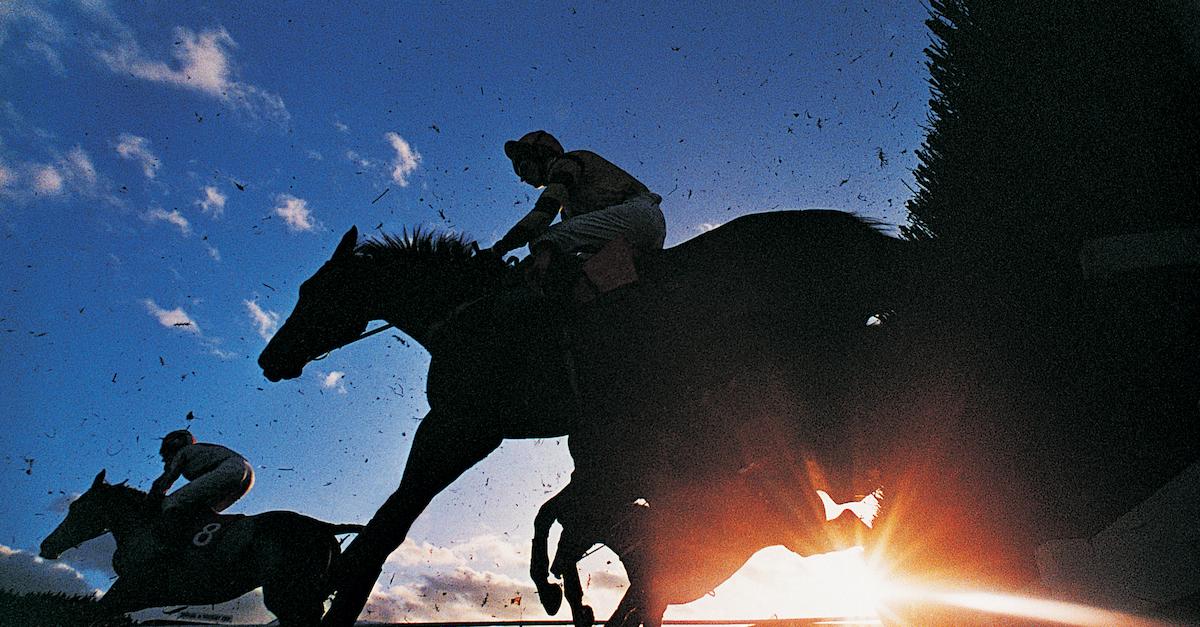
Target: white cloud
203	63
333	381
213	202
342	128
705	227
213	252
295	212
461	594
314	155
73	173
24	572
406	161
265	320
175	318
471	580
40	31
6	176
47	180
80	165
47	52
173	217
213	346
95	555
358	159
138	148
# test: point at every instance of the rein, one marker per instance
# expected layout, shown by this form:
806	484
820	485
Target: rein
364	336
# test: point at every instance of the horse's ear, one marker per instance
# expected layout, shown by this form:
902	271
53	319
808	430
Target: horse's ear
345	248
99	480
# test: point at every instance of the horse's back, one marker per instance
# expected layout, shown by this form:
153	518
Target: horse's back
773	234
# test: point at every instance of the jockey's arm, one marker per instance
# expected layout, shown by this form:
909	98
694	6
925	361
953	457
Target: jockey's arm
170	475
536	221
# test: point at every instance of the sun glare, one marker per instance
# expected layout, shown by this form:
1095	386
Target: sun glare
915	597
777	583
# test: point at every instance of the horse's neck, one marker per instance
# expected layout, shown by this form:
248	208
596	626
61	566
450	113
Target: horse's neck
440	303
127	517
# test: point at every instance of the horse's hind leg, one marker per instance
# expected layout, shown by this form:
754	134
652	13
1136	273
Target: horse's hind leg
639	606
294	605
626	614
295	592
652	614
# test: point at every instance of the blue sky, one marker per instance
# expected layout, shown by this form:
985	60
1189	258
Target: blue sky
127	135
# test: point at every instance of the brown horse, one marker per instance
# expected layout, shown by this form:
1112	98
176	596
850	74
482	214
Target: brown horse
285	553
786	290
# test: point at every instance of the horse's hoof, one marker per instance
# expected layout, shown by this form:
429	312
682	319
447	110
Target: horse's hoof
586	617
551	596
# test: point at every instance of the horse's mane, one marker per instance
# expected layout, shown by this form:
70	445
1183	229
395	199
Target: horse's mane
417	246
136	499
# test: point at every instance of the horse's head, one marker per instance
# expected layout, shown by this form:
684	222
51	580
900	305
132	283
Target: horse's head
328	315
413	282
86	519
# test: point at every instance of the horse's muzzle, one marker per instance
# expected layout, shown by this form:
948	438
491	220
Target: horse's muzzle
275	375
275	366
48	553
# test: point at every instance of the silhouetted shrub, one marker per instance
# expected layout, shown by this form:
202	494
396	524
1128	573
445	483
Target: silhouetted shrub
52	610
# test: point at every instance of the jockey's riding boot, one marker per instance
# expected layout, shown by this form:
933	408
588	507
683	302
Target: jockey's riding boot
558	282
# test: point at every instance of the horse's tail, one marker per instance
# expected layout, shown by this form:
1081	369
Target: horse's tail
335	551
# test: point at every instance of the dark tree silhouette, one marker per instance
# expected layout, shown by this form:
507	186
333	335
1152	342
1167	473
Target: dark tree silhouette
1056	122
1059	192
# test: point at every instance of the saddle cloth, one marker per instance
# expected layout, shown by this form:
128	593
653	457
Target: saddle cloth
610	268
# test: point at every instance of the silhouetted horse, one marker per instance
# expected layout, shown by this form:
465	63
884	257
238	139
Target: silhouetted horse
787	290
689	530
286	553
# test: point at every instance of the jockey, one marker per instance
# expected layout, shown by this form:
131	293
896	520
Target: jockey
599	202
217	477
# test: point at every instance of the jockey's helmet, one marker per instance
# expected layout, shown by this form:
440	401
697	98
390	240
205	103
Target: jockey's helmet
537	145
175	440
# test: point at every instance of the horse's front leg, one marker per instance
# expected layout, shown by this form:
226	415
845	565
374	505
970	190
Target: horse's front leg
581	614
444	447
127	595
539	557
